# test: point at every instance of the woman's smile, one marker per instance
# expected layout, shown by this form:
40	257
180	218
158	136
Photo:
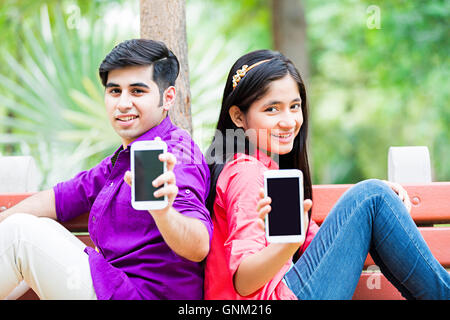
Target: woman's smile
285	137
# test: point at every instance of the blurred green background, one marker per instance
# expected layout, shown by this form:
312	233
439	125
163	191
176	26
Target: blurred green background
369	88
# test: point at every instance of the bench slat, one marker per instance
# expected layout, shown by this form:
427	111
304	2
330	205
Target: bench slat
375	286
86	240
78	224
371	286
8	200
431	203
438	240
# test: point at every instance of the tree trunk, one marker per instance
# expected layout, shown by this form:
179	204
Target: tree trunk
289	37
165	20
289	33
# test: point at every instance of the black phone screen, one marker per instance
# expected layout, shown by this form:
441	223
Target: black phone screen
147	167
284	218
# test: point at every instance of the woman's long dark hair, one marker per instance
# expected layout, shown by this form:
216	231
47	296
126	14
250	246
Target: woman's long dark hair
250	88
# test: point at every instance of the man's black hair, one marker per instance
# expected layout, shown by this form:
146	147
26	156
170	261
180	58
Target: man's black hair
139	52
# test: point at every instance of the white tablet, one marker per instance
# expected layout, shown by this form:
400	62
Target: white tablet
146	167
284	223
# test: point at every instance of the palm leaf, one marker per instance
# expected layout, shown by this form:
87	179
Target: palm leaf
55	97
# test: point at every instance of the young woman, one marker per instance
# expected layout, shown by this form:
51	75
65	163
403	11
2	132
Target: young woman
263	125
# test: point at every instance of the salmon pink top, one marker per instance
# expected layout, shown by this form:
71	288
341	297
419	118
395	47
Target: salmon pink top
236	233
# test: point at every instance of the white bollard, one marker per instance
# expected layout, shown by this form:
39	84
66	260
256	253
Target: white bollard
18	174
409	164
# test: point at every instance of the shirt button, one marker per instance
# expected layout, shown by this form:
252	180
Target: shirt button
188	191
111	184
93	219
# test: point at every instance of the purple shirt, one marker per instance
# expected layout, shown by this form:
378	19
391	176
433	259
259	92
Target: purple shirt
133	261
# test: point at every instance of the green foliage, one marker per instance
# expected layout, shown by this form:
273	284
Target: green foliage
52	94
211	55
369	88
375	88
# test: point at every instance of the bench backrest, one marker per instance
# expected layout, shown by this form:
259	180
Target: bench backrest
430	202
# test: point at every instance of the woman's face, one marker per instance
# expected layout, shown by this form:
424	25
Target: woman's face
273	121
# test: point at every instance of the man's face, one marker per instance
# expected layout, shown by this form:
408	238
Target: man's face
132	101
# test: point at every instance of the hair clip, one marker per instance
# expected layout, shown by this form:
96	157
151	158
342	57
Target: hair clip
240	73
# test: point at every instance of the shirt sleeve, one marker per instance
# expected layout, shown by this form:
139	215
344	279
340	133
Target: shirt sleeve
76	196
192	178
241	195
193	185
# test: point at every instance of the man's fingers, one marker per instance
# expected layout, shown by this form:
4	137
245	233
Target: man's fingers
170	160
167	177
128	177
169	190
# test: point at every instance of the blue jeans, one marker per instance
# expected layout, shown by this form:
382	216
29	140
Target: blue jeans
369	217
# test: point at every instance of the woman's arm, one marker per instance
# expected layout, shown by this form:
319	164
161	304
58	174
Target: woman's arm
259	268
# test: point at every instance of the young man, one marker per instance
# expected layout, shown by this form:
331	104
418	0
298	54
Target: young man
138	254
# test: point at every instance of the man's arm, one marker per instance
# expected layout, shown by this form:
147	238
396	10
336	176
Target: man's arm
186	236
41	204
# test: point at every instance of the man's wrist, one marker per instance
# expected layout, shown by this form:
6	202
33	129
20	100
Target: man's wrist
162	214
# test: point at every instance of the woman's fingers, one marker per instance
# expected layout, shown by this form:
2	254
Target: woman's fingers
261	193
263	208
401	192
307	205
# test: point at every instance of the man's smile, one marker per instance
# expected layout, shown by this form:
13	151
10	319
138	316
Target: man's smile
127	117
126	120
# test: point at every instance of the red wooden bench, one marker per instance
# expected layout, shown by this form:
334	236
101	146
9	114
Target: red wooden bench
431	206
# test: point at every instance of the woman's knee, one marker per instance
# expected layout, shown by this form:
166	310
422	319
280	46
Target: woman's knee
373	187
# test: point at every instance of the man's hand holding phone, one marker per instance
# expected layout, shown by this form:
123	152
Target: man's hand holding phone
158	199
153	188
168	182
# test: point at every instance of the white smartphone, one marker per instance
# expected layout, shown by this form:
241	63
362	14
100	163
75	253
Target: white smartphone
146	167
285	222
